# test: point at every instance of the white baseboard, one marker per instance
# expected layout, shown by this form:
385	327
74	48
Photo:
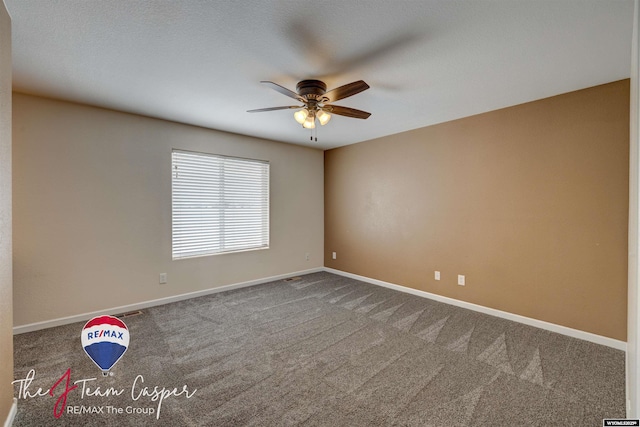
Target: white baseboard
152	303
12	413
575	333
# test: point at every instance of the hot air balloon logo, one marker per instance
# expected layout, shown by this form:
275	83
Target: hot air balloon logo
105	339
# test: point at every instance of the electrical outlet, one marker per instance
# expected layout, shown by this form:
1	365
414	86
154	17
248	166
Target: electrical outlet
460	280
163	278
335	256
436	275
307	256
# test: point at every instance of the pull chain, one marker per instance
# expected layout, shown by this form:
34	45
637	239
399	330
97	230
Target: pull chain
311	137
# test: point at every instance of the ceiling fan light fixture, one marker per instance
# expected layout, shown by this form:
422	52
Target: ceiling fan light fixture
310	122
301	115
323	117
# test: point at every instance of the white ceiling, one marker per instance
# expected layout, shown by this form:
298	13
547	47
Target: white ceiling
427	61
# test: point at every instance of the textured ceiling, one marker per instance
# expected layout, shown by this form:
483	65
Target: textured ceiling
200	62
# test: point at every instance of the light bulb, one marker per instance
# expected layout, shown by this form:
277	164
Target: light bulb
301	115
323	117
310	122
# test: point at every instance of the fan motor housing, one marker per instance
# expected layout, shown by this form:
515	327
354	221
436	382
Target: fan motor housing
311	88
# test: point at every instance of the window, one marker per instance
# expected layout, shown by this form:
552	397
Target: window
219	204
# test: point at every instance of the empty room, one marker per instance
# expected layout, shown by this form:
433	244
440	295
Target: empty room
347	213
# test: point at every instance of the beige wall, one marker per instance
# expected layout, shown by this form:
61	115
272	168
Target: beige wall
92	209
529	202
6	320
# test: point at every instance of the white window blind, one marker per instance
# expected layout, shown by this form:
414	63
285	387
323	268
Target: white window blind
219	204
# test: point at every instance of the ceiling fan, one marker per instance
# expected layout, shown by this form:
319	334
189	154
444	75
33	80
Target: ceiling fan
315	99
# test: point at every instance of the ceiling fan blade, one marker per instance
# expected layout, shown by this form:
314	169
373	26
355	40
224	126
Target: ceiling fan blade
374	53
346	90
346	111
260	110
283	90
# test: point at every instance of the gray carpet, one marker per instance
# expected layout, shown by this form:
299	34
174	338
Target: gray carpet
326	350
